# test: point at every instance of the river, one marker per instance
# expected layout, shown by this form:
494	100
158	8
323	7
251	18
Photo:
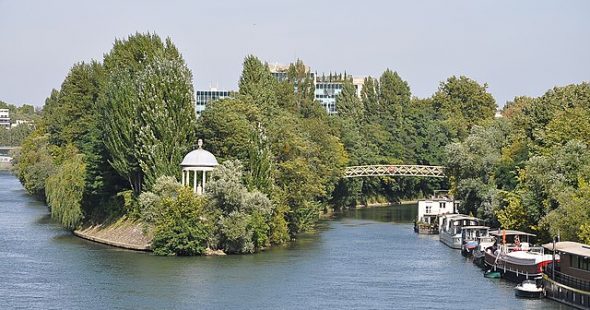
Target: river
366	259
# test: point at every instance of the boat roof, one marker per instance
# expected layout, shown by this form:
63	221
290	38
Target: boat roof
474	227
500	232
570	247
464	217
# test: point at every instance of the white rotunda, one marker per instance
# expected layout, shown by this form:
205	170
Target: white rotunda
194	163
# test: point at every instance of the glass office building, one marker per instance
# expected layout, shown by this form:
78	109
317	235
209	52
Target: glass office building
206	96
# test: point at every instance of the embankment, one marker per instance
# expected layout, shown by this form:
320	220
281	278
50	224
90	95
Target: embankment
123	233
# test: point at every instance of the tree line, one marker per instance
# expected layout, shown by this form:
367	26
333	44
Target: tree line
14	136
110	141
530	169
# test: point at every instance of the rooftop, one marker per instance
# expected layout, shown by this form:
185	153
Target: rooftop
570	247
508	232
199	158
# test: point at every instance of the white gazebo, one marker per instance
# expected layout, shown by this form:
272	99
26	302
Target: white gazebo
195	162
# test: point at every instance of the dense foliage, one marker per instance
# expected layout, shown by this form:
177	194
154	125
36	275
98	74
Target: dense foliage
530	169
15	136
143	90
110	141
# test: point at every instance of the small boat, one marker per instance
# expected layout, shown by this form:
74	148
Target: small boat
492	274
528	289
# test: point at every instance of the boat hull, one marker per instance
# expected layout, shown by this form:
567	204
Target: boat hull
528	294
511	271
452	241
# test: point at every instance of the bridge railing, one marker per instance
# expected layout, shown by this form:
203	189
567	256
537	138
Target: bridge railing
395	170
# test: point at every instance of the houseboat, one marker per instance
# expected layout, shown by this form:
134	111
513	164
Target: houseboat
450	228
479	252
569	281
513	256
470	237
429	211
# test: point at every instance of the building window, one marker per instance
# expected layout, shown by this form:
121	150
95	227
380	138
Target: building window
428	209
442	205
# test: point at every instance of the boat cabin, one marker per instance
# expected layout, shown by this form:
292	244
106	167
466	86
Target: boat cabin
429	209
469	233
513	239
567	280
574	258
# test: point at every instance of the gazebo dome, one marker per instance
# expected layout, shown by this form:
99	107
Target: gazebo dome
199	158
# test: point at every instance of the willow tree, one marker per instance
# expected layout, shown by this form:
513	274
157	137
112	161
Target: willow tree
147	108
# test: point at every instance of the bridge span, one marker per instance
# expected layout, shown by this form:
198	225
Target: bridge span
395	170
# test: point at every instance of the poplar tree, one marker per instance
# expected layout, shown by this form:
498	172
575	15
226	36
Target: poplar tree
148	108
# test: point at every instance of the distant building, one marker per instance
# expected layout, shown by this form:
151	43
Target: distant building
206	96
20	122
5	118
327	88
498	113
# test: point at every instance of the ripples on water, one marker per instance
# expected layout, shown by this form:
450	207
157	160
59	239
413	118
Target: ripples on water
366	259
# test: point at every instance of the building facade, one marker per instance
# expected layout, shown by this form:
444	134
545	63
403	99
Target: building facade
328	88
206	96
5	118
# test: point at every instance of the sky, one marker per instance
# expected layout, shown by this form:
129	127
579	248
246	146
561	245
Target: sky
519	48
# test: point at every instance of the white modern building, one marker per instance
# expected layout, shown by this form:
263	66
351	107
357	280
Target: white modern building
5	118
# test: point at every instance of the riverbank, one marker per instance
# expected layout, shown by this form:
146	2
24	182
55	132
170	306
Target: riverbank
123	233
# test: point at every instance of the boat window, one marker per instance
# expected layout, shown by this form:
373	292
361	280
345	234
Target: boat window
580	262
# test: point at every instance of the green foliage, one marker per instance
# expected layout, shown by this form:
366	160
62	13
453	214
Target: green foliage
65	188
244	224
463	104
532	167
185	227
16	135
151	206
34	163
514	215
147	107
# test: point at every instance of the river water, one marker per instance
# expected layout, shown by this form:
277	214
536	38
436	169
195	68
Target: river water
366	259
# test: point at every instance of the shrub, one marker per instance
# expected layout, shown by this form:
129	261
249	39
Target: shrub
185	228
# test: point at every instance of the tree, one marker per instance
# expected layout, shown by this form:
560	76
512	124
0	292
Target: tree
147	106
463	104
65	188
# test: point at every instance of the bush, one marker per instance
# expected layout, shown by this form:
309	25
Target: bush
150	203
185	228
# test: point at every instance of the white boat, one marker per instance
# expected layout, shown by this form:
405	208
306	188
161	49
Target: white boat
528	289
450	228
470	238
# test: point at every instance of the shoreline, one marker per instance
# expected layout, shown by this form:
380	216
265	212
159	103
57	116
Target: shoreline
129	235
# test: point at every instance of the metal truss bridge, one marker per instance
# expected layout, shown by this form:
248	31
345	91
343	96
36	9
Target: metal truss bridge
395	170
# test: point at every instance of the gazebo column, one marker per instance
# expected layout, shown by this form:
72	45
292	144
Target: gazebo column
204	173
195	181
